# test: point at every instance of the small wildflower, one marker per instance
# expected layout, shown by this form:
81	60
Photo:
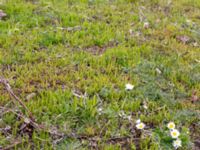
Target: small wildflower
145	106
140	126
129	86
177	143
171	125
138	121
100	110
175	133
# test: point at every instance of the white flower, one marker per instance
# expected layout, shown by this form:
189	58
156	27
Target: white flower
175	133
171	125
138	121
177	143
145	106
100	110
140	125
129	86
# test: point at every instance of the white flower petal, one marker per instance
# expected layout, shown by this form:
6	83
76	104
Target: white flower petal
177	143
129	86
174	133
138	121
145	106
100	109
171	125
140	126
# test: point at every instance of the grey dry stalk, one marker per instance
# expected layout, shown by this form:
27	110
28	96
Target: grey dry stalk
10	91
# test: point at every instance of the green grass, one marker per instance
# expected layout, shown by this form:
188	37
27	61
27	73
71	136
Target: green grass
55	48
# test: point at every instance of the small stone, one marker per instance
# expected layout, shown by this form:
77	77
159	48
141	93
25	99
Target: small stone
146	25
158	71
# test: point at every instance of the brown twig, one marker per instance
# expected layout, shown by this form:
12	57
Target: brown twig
10	91
12	145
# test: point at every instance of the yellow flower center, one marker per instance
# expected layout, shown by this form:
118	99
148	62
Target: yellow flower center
174	133
140	126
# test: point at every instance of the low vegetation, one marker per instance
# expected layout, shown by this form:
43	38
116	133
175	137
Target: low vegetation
100	74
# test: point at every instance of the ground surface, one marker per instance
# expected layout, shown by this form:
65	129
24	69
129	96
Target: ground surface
69	61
